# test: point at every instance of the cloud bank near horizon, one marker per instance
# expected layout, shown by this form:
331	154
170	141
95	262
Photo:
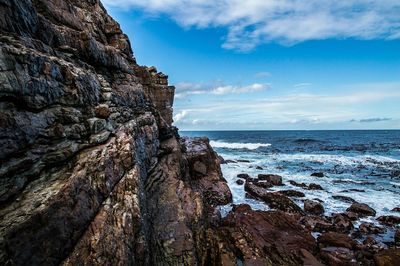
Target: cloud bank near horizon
254	22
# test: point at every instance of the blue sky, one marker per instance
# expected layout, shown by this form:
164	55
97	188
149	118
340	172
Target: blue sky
262	64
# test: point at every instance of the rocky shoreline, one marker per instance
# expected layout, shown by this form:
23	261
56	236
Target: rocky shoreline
93	172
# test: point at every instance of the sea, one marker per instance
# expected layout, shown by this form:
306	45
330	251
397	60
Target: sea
361	164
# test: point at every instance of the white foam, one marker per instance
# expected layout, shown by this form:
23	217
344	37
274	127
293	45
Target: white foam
233	145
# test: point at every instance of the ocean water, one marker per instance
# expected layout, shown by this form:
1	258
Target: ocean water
363	165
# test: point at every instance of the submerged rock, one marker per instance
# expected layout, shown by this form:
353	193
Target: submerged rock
318	174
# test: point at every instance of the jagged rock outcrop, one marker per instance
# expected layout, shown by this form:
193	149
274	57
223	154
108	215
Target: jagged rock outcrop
92	171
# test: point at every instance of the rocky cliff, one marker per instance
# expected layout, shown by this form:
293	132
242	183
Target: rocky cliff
92	172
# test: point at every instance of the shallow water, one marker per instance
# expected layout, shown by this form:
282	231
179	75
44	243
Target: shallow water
363	165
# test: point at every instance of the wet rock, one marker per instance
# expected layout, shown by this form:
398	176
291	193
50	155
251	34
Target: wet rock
397	236
264	238
243	161
273	199
343	198
351	215
239	182
316	223
362	209
390	257
259	168
338	256
244	176
389	220
333	239
342	223
313	207
311	186
369	241
397	209
370	228
275	180
292	193
230	161
318	174
314	186
262	184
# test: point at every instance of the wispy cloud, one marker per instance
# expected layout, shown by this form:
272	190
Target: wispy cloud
262	74
253	22
184	89
372	120
300	85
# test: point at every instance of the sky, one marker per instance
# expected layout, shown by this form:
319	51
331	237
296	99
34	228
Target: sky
272	64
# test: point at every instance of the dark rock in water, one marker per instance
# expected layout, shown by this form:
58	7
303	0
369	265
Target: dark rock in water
319	174
389	257
389	220
370	228
244	176
369	241
239	182
351	215
275	180
262	238
352	190
230	161
311	186
273	200
259	168
397	236
397	209
342	223
243	161
292	193
362	209
333	239
313	207
343	198
314	186
221	160
263	184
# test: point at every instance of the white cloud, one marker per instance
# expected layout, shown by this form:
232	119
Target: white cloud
300	85
186	88
252	22
180	116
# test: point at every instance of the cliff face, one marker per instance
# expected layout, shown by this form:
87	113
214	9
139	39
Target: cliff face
92	172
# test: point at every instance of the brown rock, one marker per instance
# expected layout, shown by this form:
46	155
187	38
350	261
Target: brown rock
397	236
292	193
316	223
343	198
389	220
370	228
274	200
390	257
362	209
342	223
275	180
313	207
102	111
333	239
314	186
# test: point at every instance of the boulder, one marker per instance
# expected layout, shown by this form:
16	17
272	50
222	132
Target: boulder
292	193
370	228
318	174
389	220
333	239
362	209
314	186
343	198
313	207
273	200
389	257
316	223
341	223
244	176
239	182
275	180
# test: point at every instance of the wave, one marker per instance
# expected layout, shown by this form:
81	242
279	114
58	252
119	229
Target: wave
236	145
